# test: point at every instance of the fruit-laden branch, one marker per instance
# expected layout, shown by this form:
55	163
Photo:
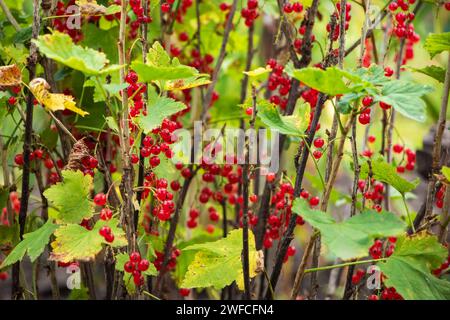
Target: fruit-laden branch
126	185
437	145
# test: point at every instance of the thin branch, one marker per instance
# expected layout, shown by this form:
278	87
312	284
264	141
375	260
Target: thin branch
437	145
9	16
31	66
245	187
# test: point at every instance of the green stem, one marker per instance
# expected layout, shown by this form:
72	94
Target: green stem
341	265
407	213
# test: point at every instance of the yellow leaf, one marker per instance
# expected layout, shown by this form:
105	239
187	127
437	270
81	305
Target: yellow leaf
256	266
10	76
182	84
258	71
53	101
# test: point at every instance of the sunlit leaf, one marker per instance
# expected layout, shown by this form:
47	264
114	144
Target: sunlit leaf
74	242
60	47
72	197
217	264
53	101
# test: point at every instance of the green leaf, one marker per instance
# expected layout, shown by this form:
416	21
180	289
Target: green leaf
74	242
33	244
23	35
405	97
353	237
159	66
409	268
331	81
59	47
384	172
294	125
218	263
435	43
446	172
435	72
158	109
71	197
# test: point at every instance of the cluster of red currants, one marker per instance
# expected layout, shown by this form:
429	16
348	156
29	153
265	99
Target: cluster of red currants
165	7
372	192
318	143
105	214
136	265
390	294
165	207
141	18
403	26
61	24
281	203
250	13
296	7
358	276
440	194
280	82
379	248
201	64
172	261
39	154
348	17
106	233
407	155
135	90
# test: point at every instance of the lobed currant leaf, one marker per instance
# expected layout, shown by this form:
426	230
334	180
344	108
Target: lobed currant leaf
409	268
436	43
60	47
159	108
350	238
217	264
77	206
294	125
74	242
33	244
384	172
